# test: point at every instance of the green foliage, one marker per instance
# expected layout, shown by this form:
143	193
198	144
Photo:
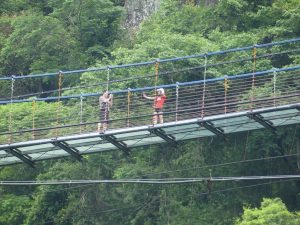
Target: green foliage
38	44
47	201
94	23
12	6
14	209
5	29
21	116
272	211
59	35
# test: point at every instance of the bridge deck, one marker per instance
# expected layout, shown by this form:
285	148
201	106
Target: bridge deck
127	138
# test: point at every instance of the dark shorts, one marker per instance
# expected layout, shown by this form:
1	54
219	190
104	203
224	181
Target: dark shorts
158	111
104	116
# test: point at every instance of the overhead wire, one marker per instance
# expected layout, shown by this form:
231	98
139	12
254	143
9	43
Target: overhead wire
180	170
212	192
219	165
148	181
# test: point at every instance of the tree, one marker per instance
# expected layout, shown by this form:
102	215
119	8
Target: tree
95	24
12	6
271	212
13	209
38	44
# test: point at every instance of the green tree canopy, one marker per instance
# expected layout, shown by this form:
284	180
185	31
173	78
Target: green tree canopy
271	212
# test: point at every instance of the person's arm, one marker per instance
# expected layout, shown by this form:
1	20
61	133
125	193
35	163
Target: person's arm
100	101
110	100
147	97
103	99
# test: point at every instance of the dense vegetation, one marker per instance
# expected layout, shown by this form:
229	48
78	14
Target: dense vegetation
46	36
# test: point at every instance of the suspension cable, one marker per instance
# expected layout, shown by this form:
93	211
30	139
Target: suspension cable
11	108
166	73
107	78
245	48
253	76
128	107
214	92
204	86
33	118
81	112
156	74
226	86
177	100
274	87
60	77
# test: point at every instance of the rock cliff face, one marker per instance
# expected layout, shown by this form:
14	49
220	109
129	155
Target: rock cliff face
139	10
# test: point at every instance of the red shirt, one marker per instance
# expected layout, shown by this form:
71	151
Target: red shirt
159	102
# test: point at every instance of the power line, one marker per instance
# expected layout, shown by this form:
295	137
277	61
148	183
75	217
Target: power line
187	169
221	164
145	204
148	181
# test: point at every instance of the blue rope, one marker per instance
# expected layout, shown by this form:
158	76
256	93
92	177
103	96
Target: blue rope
153	62
167	86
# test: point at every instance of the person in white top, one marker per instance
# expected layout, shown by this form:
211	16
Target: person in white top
105	103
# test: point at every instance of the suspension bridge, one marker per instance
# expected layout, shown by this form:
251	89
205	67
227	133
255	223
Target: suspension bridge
202	100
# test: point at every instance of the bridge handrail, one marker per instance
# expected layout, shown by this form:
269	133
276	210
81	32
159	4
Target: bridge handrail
229	77
151	62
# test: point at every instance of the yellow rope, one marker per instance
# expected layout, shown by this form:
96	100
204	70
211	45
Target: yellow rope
60	77
274	88
33	118
128	107
177	100
107	78
204	87
226	86
253	76
11	108
81	112
156	75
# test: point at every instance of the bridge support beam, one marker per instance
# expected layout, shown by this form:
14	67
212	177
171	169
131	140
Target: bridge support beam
71	150
260	119
119	144
211	127
25	158
162	134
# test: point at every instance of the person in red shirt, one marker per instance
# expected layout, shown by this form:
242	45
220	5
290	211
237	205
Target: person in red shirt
158	105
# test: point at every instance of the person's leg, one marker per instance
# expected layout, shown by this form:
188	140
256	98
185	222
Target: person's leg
106	120
154	120
161	118
104	127
99	124
102	120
